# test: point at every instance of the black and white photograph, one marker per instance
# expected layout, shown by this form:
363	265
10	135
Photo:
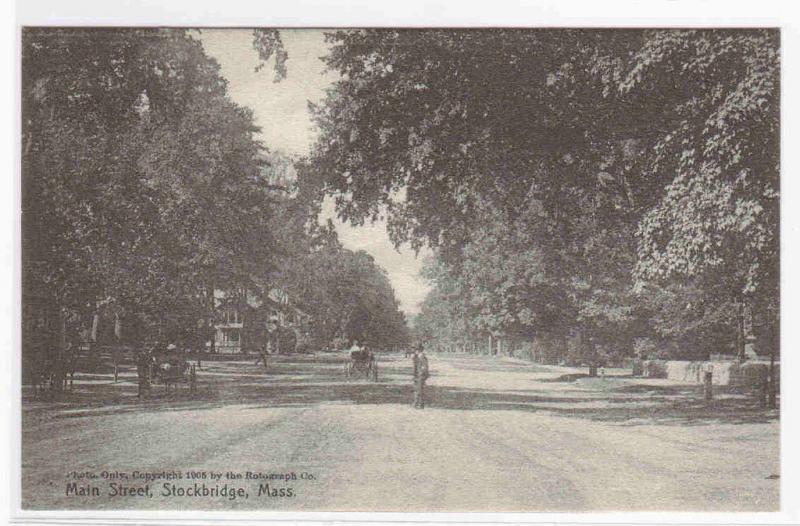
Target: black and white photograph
393	269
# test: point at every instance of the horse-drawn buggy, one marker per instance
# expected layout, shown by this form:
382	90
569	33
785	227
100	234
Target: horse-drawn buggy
362	362
170	369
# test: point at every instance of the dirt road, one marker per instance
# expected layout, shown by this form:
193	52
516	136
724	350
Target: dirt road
498	435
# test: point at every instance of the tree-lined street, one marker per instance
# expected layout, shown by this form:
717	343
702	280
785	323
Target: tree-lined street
593	212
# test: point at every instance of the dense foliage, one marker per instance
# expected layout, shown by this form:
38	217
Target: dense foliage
145	190
599	190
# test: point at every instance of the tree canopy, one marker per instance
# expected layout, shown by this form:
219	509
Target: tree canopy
573	182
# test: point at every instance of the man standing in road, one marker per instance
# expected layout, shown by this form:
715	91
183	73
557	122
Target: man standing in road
420	376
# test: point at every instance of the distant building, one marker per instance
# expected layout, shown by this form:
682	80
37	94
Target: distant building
228	330
244	324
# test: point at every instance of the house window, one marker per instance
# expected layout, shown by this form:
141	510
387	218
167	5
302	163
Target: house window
230	336
231	316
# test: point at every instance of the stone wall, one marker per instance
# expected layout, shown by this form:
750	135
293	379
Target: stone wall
749	375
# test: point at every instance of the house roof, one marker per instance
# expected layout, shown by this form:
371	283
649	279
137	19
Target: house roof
276	297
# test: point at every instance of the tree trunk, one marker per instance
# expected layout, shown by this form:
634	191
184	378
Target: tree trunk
117	327
740	336
589	353
59	369
708	385
772	392
210	331
95	324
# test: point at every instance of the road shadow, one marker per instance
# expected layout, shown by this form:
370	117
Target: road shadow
564	378
650	388
633	409
500	367
682	406
305	381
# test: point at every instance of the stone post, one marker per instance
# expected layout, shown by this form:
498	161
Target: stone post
708	388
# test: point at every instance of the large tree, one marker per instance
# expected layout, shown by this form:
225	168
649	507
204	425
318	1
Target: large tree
716	224
142	189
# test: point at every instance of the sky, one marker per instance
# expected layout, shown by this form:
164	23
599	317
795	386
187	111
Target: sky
281	111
